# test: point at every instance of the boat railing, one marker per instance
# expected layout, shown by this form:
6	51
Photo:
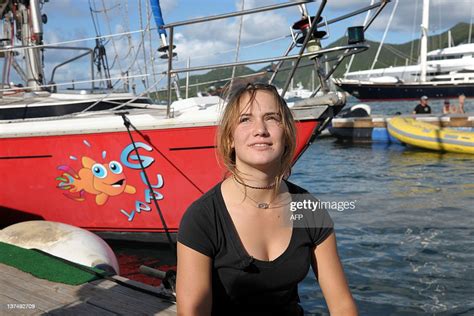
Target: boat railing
89	51
319	56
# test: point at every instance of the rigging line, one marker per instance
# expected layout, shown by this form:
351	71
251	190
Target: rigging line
233	49
140	17
73	82
121	105
10	27
134	61
237	49
94	22
106	9
45	45
225	79
150	42
97	32
82	114
397	52
141	95
86	113
140	45
365	22
470	26
384	35
110	36
413	31
125	17
439	28
128	124
113	41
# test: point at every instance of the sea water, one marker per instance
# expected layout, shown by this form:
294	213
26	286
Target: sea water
408	245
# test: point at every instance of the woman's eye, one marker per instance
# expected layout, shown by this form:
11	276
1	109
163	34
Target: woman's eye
273	118
244	119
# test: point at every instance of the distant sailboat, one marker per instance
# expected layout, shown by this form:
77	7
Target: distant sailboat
442	73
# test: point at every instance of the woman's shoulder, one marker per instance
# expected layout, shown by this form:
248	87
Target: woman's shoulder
208	198
294	188
204	209
297	192
197	229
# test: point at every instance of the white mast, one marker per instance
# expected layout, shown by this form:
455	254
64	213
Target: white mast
31	35
424	39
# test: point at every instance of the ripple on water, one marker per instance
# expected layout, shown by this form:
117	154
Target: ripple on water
408	246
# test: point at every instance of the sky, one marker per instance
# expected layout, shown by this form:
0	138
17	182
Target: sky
214	42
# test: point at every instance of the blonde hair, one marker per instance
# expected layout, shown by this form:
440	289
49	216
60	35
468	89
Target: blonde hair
230	119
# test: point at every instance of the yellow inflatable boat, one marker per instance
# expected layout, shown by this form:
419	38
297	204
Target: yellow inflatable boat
425	135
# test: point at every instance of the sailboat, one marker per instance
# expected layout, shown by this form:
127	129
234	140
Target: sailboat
442	73
115	161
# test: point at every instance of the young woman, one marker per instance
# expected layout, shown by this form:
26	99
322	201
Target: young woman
240	251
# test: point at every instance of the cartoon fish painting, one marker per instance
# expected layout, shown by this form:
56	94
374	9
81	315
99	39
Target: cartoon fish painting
102	180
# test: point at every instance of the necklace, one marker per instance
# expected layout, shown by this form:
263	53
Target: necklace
268	187
261	205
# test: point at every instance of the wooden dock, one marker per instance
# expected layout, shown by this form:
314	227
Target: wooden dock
23	294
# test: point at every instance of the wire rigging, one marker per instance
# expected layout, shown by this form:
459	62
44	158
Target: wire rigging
142	35
116	58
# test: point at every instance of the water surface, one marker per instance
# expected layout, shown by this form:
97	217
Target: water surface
408	246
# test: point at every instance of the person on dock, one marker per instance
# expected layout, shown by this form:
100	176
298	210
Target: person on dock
448	108
422	107
462	99
244	246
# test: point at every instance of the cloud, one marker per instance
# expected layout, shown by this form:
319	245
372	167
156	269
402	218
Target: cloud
69	8
168	5
408	14
215	41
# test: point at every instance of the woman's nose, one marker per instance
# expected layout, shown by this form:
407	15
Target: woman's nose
260	128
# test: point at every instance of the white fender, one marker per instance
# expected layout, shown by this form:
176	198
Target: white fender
65	241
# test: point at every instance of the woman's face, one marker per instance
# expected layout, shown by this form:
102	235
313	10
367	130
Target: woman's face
258	136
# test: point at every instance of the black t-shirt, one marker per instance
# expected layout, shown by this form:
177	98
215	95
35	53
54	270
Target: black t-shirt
419	109
242	285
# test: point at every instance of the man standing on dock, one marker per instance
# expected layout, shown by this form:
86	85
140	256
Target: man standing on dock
423	107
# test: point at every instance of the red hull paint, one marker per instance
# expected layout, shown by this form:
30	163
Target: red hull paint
184	158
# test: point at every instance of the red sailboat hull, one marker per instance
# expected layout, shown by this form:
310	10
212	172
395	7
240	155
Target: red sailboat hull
49	177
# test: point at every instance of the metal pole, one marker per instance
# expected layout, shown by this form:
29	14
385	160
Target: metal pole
170	65
278	66
424	39
303	47
188	64
268	60
233	14
381	6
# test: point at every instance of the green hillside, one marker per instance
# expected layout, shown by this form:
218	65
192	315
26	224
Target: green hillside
208	81
390	55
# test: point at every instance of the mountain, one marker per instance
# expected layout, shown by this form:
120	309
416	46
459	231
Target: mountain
211	80
390	55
